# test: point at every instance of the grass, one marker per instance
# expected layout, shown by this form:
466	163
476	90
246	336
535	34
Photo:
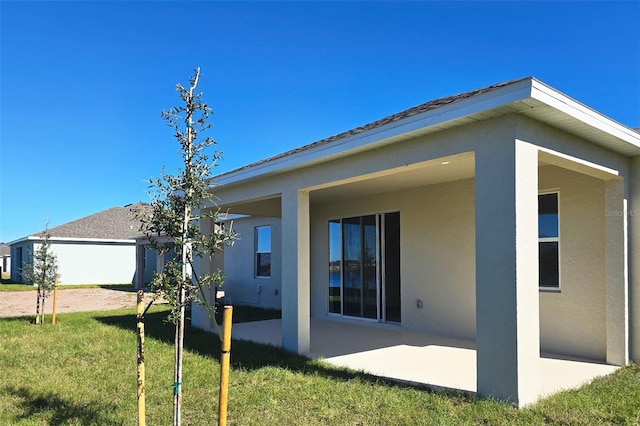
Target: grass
83	372
8	285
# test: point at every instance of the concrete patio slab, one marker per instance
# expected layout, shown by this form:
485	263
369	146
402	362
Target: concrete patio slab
434	361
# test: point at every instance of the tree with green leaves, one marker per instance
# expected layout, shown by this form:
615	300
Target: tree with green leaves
41	269
179	204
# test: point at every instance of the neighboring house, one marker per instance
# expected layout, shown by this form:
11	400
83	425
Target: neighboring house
5	261
96	249
508	216
150	260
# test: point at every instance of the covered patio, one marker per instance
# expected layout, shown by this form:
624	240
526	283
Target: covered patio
426	360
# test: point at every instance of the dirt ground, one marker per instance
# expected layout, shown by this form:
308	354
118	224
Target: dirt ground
19	303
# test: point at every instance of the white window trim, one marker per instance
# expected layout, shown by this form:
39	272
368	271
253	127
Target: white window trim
553	240
256	252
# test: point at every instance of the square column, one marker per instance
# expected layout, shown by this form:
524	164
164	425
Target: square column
296	335
139	265
200	316
507	299
616	275
634	257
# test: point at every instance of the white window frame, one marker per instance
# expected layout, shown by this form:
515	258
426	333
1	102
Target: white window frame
552	240
381	317
258	252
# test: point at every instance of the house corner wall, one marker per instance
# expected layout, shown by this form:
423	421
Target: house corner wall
582	296
241	284
200	317
95	263
18	262
617	285
633	218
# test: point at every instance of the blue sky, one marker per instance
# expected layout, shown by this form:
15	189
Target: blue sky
83	83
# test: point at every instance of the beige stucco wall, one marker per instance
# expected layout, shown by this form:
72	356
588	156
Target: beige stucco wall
438	260
437	254
241	284
19	264
572	321
89	263
634	260
95	263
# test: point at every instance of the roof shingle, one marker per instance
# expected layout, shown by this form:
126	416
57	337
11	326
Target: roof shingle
418	109
116	223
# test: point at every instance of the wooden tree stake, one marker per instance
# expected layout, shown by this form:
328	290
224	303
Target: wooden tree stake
225	356
55	300
140	329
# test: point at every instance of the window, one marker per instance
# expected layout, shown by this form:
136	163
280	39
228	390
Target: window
364	267
548	241
263	251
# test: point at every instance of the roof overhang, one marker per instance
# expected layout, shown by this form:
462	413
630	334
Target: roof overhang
528	97
36	238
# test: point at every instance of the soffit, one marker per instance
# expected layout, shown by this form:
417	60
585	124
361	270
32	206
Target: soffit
446	169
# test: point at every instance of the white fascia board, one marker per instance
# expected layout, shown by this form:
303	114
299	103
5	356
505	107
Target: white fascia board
87	240
68	239
603	171
19	240
234	216
464	107
143	239
589	116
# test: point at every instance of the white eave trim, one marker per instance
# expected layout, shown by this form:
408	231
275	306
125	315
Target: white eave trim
69	239
581	112
499	97
464	107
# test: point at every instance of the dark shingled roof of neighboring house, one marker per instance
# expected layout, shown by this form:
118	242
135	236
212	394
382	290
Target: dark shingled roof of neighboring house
116	223
5	250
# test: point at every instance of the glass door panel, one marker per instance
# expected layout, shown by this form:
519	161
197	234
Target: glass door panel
392	267
370	268
335	267
352	273
364	267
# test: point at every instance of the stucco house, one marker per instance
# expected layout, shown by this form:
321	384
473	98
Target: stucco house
5	260
95	249
508	217
149	260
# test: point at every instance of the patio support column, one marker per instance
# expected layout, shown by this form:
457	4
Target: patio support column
634	257
200	317
295	271
139	265
159	262
507	300
216	264
616	275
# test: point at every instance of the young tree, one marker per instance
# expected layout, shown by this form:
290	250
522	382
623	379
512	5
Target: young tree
41	269
179	203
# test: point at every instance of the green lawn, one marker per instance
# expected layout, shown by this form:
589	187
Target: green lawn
83	372
8	285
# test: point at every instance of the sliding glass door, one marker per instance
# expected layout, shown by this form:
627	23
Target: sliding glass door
364	270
